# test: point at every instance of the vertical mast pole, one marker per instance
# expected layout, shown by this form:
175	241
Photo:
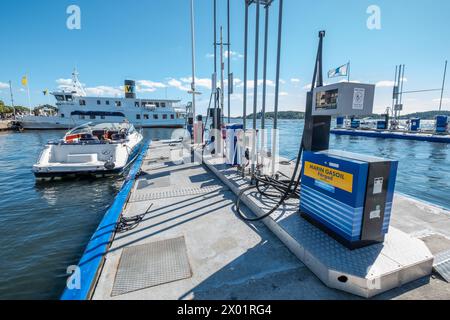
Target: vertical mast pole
443	85
12	99
255	91
193	87
229	61
245	66
266	32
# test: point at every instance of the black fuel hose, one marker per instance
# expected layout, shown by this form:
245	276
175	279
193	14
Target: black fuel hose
286	190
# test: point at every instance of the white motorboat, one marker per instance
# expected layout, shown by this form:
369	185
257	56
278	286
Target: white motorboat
91	149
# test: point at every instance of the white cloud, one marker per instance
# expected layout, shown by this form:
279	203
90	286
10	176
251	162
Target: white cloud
251	83
148	86
444	100
388	83
295	80
178	84
233	54
284	94
4	85
104	91
199	82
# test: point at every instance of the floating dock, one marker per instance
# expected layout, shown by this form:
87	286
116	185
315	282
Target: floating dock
190	244
417	136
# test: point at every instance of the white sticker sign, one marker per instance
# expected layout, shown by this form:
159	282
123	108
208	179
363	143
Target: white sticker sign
378	185
358	98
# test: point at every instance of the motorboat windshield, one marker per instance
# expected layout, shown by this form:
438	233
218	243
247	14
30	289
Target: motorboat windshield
102	132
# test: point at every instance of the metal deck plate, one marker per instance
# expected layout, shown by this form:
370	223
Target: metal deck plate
151	265
442	265
173	193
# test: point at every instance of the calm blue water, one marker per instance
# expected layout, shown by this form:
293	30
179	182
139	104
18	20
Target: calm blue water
45	227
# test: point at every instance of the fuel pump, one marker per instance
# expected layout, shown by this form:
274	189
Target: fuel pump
347	195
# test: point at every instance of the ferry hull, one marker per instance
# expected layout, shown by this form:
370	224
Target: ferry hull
38	125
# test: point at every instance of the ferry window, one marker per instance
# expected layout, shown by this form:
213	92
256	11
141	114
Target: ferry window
155	116
59	98
99	102
146	117
118	103
157	104
172	116
102	117
62	115
107	102
163	104
82	117
69	98
82	102
138	116
164	116
92	117
136	104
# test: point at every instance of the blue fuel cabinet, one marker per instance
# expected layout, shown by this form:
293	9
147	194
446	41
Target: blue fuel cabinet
348	195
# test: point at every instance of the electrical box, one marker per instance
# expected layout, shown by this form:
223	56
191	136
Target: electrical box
348	195
233	153
343	99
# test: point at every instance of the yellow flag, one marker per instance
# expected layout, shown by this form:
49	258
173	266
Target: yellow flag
24	81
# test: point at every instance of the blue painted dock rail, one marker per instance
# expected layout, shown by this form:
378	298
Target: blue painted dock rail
417	136
92	259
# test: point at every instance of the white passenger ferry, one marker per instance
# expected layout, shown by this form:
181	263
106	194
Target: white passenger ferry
75	109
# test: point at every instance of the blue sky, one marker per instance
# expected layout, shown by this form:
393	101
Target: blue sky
149	41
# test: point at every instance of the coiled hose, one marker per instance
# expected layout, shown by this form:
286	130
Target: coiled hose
281	189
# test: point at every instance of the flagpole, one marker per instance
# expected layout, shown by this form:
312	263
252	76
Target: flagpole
12	99
348	71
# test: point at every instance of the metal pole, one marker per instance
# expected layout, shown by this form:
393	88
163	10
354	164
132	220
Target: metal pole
266	33
255	89
443	85
222	70
394	93
277	88
398	91
229	61
193	59
401	90
215	52
12	99
348	71
245	66
277	80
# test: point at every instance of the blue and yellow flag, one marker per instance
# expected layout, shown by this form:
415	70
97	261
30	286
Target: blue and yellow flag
25	81
341	71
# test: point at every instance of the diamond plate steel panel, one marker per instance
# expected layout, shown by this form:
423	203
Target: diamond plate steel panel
442	265
173	193
152	264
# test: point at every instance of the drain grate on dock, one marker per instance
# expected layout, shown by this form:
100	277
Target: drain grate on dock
152	264
442	265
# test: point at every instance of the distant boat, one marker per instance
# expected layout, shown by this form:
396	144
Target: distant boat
91	149
75	108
